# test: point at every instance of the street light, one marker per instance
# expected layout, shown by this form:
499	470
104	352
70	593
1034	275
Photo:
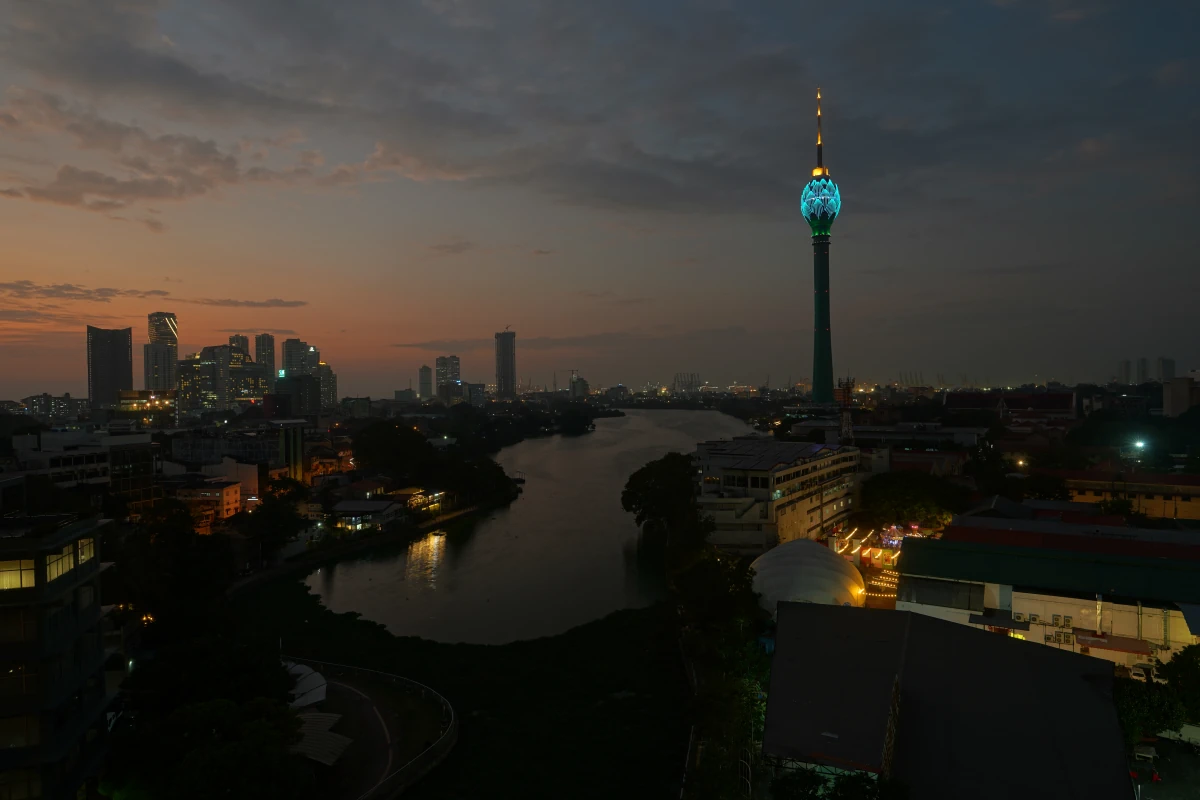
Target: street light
1139	444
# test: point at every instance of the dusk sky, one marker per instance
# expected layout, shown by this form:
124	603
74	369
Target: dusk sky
618	181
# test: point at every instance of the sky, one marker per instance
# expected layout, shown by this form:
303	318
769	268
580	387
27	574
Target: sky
619	182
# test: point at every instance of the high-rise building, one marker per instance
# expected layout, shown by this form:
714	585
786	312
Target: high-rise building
162	350
1143	370
446	370
579	388
475	394
242	341
425	382
1164	369
1124	372
328	380
109	365
217	378
304	392
506	365
264	354
299	358
54	652
158	367
820	203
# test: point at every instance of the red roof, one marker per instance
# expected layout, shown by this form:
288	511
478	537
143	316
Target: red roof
1079	543
1105	476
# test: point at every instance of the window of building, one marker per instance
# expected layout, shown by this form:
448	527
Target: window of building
60	564
87	550
18	624
20	784
16	574
22	731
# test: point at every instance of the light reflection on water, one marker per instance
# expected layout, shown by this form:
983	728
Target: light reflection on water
563	554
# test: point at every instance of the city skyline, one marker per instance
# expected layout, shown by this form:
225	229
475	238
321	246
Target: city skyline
631	246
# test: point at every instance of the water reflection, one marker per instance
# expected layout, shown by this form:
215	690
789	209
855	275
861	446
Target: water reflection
423	558
563	554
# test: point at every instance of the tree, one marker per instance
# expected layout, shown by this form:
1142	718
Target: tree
1183	676
798	784
898	498
662	492
1117	506
1146	709
275	520
1045	487
392	448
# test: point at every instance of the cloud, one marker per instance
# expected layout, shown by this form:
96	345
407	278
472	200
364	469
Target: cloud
27	289
603	341
228	303
452	248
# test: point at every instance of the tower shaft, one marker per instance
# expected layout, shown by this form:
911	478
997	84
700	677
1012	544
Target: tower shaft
822	381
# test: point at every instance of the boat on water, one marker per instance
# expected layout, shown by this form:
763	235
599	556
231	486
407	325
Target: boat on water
519	477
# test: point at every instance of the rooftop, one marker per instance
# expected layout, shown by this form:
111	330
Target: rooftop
1055	570
1122	479
976	714
363	506
763	453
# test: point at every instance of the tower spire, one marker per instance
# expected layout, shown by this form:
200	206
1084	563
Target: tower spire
820	162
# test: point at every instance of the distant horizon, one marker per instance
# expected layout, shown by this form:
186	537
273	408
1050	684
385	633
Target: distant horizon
620	183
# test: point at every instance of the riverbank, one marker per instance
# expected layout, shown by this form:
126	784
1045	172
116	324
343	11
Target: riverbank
599	711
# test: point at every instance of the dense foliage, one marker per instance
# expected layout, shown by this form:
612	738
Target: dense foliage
900	498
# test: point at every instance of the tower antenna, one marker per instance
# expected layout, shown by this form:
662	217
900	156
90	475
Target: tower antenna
820	160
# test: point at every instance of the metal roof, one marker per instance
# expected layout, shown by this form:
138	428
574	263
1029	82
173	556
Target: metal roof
1065	571
762	453
974	714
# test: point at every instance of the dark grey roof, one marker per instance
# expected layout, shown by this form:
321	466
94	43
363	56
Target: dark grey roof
978	714
762	453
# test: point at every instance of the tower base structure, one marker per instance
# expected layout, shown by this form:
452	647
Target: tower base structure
822	380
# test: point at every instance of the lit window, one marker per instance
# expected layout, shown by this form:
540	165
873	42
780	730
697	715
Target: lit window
87	549
60	564
16	574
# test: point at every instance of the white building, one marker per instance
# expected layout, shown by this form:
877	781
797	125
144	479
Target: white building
761	492
1125	609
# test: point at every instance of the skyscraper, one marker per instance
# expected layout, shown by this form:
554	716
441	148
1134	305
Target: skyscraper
1143	370
1124	372
299	358
1164	369
217	377
163	347
506	365
158	367
328	380
264	353
446	370
241	340
109	365
425	382
820	203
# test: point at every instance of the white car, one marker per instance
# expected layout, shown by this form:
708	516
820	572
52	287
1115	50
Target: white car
1144	672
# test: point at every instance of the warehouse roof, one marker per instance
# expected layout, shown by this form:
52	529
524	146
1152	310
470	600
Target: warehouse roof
973	714
1065	571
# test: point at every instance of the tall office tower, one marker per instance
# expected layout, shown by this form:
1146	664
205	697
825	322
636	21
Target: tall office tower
506	365
425	382
109	365
1124	372
299	358
446	370
264	353
217	378
163	329
1143	370
328	380
1164	369
158	367
820	203
241	340
305	394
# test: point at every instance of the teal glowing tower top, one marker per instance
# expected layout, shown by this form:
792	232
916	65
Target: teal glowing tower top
820	203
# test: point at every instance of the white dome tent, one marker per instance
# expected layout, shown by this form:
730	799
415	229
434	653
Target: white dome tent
806	572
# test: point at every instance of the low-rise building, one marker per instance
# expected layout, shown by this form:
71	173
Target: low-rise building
123	464
211	500
1153	494
1128	609
359	515
761	492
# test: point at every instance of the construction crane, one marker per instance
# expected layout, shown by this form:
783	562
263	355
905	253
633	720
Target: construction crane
573	372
